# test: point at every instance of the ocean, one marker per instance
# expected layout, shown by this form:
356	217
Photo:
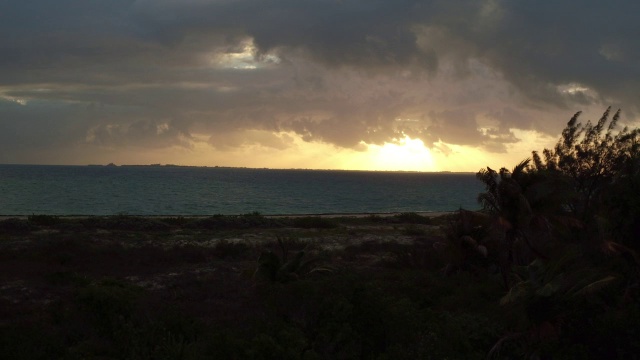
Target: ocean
172	190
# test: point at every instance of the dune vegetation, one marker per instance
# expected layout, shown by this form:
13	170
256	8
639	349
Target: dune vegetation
548	269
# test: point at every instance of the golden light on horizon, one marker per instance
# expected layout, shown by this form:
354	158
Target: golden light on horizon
286	150
406	155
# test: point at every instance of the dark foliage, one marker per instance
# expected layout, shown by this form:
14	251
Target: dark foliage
15	225
313	222
247	221
411	218
592	157
44	220
554	224
125	223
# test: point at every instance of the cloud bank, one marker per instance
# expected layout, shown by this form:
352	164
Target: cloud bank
91	76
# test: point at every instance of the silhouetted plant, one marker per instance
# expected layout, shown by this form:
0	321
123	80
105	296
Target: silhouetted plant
230	249
227	222
179	221
588	182
125	223
620	205
284	269
602	168
418	255
413	230
527	213
590	157
546	294
412	218
15	226
314	222
44	220
463	247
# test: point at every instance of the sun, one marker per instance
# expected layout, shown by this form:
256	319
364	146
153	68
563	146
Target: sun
407	154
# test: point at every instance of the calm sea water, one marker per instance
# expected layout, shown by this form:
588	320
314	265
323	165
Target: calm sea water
147	190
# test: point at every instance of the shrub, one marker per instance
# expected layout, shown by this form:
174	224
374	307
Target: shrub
591	159
44	220
283	269
15	225
314	222
230	249
232	222
413	230
554	223
124	223
179	221
412	218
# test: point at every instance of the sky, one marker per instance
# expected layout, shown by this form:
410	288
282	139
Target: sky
432	85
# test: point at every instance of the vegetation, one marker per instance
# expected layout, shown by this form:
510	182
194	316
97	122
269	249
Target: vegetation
549	268
276	268
565	250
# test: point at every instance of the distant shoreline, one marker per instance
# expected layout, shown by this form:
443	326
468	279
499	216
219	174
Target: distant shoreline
112	165
430	214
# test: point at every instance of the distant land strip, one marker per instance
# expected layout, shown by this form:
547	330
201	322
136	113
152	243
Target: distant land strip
430	214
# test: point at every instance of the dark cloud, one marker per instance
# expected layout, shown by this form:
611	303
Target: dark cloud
38	129
156	73
547	44
461	127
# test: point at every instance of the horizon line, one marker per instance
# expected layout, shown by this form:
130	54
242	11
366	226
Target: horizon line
239	167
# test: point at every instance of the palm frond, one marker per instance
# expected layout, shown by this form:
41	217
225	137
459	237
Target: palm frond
517	293
520	168
537	161
595	286
488	202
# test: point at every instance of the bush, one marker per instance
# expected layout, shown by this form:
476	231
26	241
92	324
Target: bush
232	222
412	218
230	249
313	222
44	220
179	221
591	159
15	225
124	223
553	225
413	230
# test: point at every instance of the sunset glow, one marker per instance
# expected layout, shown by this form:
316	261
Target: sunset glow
330	85
406	155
